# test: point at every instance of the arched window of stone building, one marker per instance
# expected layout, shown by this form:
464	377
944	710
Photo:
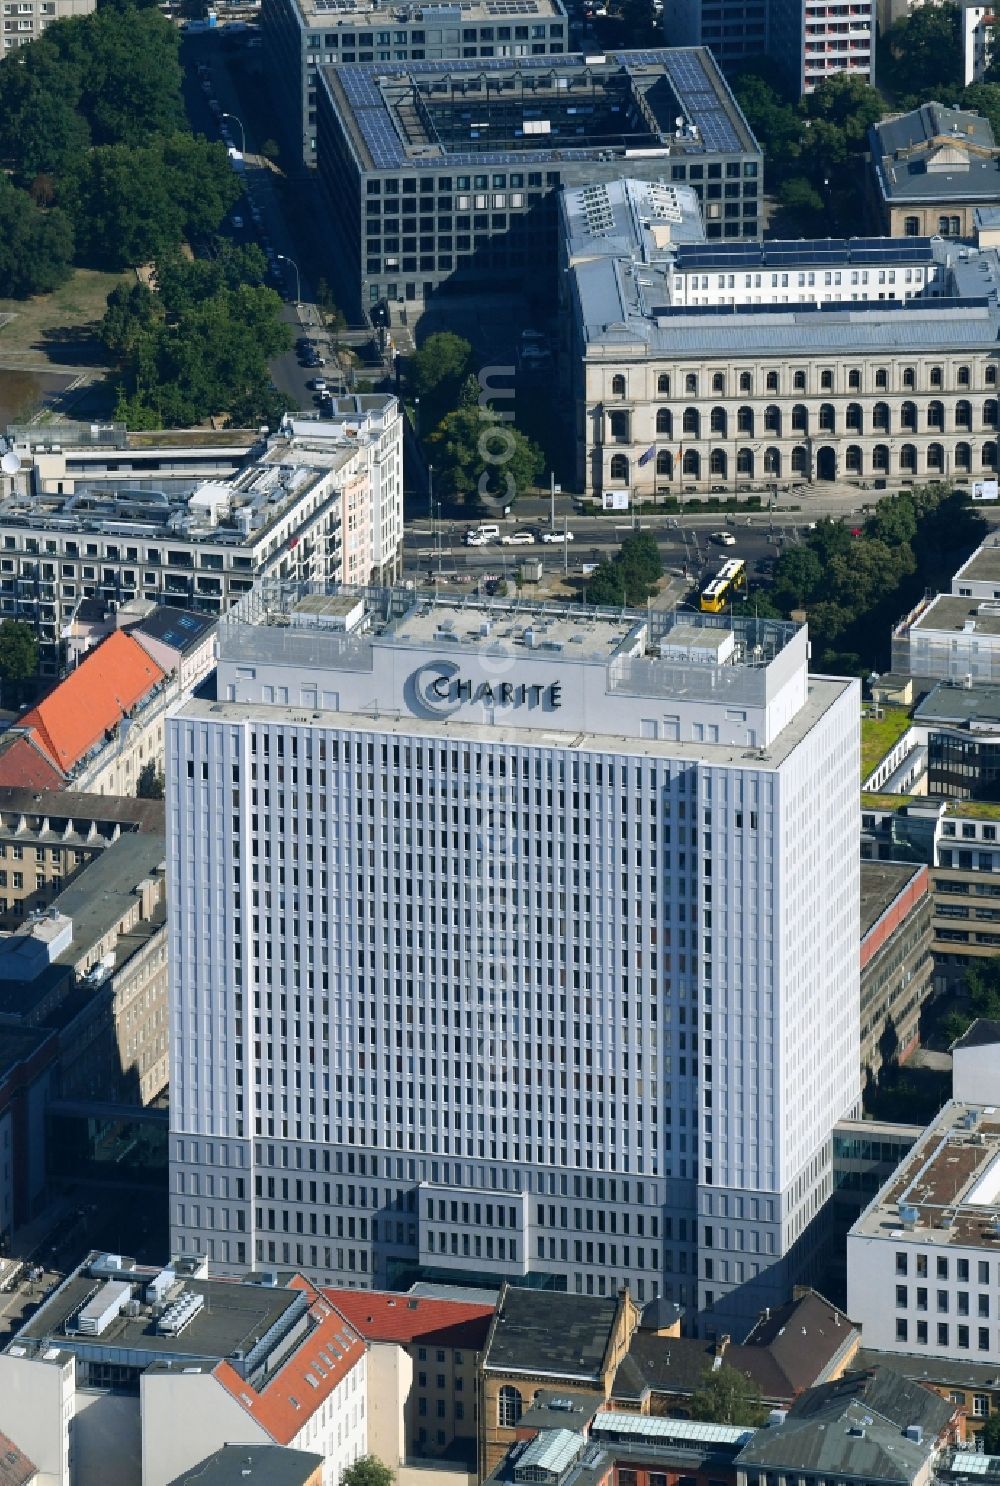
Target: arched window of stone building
509	1406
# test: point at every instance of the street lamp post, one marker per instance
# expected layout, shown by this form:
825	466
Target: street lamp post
243	133
283	258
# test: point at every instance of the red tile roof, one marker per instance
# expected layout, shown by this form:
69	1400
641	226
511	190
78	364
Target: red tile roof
383	1317
15	1467
325	1356
24	766
95	697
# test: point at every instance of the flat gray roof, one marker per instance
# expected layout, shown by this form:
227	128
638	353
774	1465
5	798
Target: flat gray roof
881	885
550	1333
96	899
953	614
984	564
252	1465
578	634
334	15
628	216
234	1318
954	703
946	1189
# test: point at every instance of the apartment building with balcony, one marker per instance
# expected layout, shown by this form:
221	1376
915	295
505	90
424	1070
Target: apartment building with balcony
811	41
192	524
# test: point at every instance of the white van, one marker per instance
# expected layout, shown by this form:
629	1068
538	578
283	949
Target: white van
478	536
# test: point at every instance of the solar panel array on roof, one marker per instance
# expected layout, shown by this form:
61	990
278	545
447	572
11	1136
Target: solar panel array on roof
685	69
511	7
361	89
692	84
663	202
597	209
824	252
828	307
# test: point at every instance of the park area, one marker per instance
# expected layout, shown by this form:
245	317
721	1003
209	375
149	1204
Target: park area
50	352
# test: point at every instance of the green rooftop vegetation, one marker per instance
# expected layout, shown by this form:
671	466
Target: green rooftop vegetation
879	735
975	809
871	800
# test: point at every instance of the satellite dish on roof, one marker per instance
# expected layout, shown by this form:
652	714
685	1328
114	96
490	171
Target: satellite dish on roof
10	463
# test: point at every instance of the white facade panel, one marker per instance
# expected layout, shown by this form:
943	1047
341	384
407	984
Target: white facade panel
528	921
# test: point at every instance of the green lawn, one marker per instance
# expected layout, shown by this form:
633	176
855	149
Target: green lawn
878	735
54	326
975	809
873	801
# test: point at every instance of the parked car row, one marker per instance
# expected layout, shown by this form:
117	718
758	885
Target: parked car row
238	219
482	536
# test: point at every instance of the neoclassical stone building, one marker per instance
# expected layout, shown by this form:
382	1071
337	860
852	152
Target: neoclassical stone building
798	412
815	368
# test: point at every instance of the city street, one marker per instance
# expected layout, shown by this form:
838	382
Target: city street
685	544
261	210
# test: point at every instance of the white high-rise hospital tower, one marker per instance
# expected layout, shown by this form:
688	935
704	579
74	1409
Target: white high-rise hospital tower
512	941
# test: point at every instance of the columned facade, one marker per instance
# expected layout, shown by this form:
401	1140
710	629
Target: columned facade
656	425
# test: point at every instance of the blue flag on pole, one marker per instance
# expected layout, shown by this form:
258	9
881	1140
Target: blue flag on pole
649	454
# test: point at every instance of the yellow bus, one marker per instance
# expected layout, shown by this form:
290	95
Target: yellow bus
718	593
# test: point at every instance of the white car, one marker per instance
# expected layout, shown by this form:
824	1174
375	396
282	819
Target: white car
557	536
319	384
482	535
519	539
724	538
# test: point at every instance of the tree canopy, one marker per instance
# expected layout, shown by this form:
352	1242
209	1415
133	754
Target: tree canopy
922	56
18	654
979	997
481	460
92	125
36	246
367	1470
630	577
133	204
814	147
200	345
727	1396
436	373
855	588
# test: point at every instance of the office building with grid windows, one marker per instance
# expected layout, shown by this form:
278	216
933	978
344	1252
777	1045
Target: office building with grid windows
514	942
301	36
448	174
